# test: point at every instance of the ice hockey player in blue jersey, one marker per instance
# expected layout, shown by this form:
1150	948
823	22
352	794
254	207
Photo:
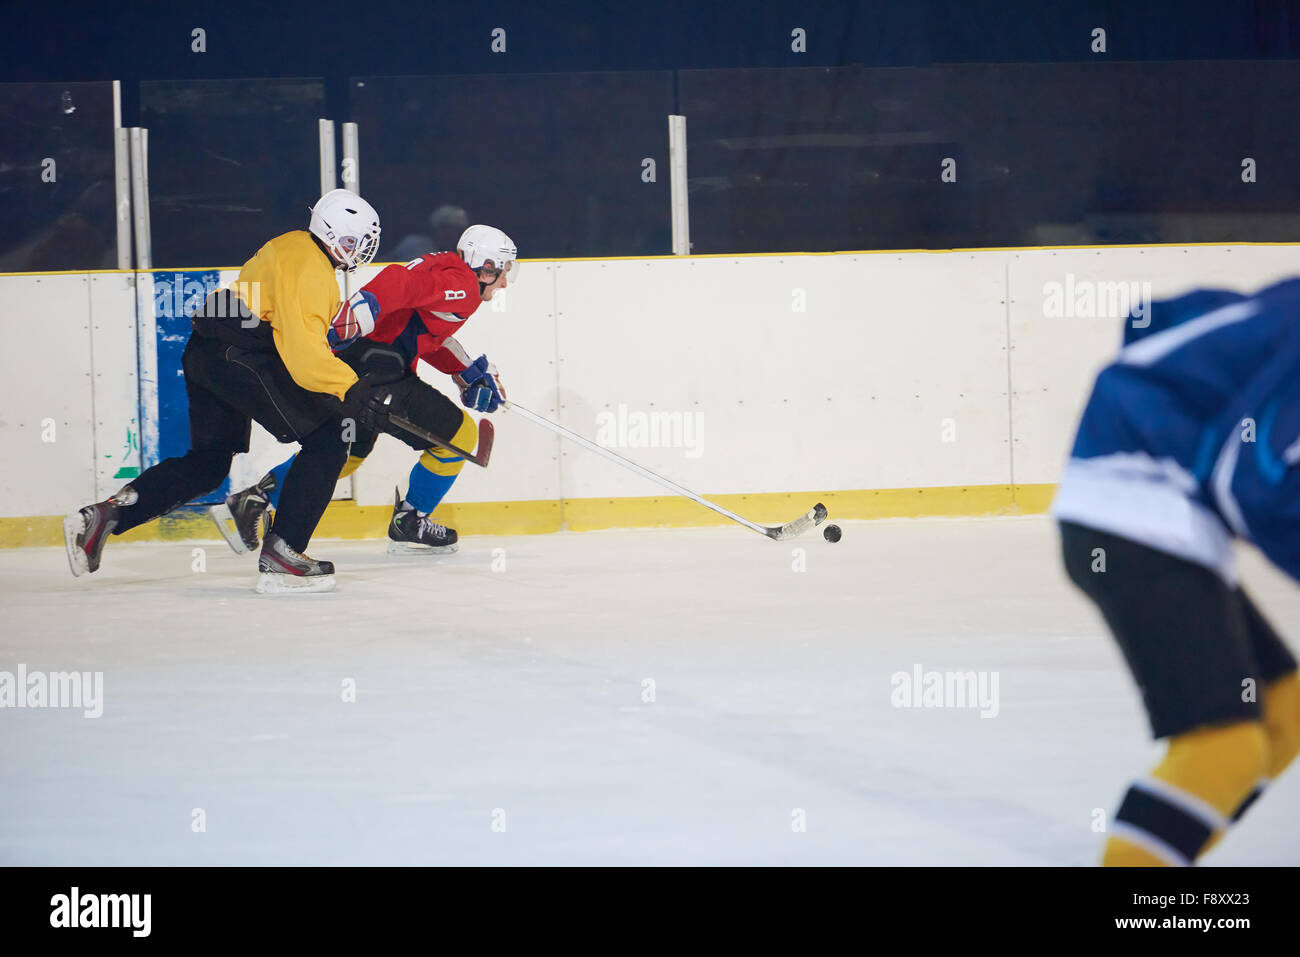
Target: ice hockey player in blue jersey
1191	439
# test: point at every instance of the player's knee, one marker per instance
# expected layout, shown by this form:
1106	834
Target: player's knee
442	461
1282	721
466	436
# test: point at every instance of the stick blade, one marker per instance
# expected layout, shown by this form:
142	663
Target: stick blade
810	519
487	435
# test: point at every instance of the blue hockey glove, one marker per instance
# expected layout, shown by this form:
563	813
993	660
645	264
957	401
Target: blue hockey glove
480	390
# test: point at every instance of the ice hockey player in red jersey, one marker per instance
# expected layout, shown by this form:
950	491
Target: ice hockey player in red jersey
407	313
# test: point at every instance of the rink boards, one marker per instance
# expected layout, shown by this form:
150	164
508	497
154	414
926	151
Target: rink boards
885	384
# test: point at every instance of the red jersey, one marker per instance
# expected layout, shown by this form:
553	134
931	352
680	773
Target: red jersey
421	304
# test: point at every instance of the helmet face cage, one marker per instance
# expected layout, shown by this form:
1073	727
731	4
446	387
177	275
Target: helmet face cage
352	251
366	249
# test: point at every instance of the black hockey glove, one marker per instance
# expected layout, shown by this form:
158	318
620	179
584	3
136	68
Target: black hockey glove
371	403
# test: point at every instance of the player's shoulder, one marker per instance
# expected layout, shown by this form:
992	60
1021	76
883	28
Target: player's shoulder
295	240
444	262
298	248
440	277
458	282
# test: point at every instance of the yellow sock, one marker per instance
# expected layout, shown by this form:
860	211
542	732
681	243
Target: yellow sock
1172	816
1121	853
1282	725
1282	722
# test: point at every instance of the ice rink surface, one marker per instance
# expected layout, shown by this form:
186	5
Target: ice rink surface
629	697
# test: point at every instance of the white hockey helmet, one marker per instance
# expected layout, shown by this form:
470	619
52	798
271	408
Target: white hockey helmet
489	252
348	226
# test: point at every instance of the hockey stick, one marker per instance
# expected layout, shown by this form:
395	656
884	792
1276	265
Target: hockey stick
486	436
814	516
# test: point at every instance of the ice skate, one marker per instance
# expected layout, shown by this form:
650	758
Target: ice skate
413	533
285	570
86	530
239	517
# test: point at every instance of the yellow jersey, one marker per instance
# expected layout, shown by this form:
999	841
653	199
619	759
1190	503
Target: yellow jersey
290	284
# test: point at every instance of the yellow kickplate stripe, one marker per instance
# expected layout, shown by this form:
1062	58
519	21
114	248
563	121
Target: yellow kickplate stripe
774	508
349	520
1034	499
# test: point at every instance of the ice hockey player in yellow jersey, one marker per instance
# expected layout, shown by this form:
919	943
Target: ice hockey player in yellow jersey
259	351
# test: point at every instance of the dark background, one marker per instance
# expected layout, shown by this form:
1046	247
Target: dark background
836	148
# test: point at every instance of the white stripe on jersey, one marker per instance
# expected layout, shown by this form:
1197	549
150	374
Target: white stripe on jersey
455	348
1155	347
1145	500
1221	484
1292	454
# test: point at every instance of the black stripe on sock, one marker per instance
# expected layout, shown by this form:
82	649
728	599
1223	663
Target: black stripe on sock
1184	832
1242	808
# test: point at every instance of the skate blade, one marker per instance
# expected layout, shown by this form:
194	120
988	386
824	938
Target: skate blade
274	583
221	517
78	560
410	549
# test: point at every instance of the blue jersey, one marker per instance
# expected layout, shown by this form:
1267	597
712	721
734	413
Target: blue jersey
1192	435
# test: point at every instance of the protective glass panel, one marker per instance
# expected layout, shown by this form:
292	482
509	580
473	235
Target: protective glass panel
991	155
232	163
567	164
56	177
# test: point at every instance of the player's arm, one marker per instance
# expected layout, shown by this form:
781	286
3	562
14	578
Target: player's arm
397	288
300	325
450	357
478	380
354	318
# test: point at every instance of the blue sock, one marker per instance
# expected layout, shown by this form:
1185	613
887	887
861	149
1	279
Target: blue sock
427	489
280	471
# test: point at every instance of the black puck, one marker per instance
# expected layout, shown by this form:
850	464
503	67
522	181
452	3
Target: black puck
831	533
